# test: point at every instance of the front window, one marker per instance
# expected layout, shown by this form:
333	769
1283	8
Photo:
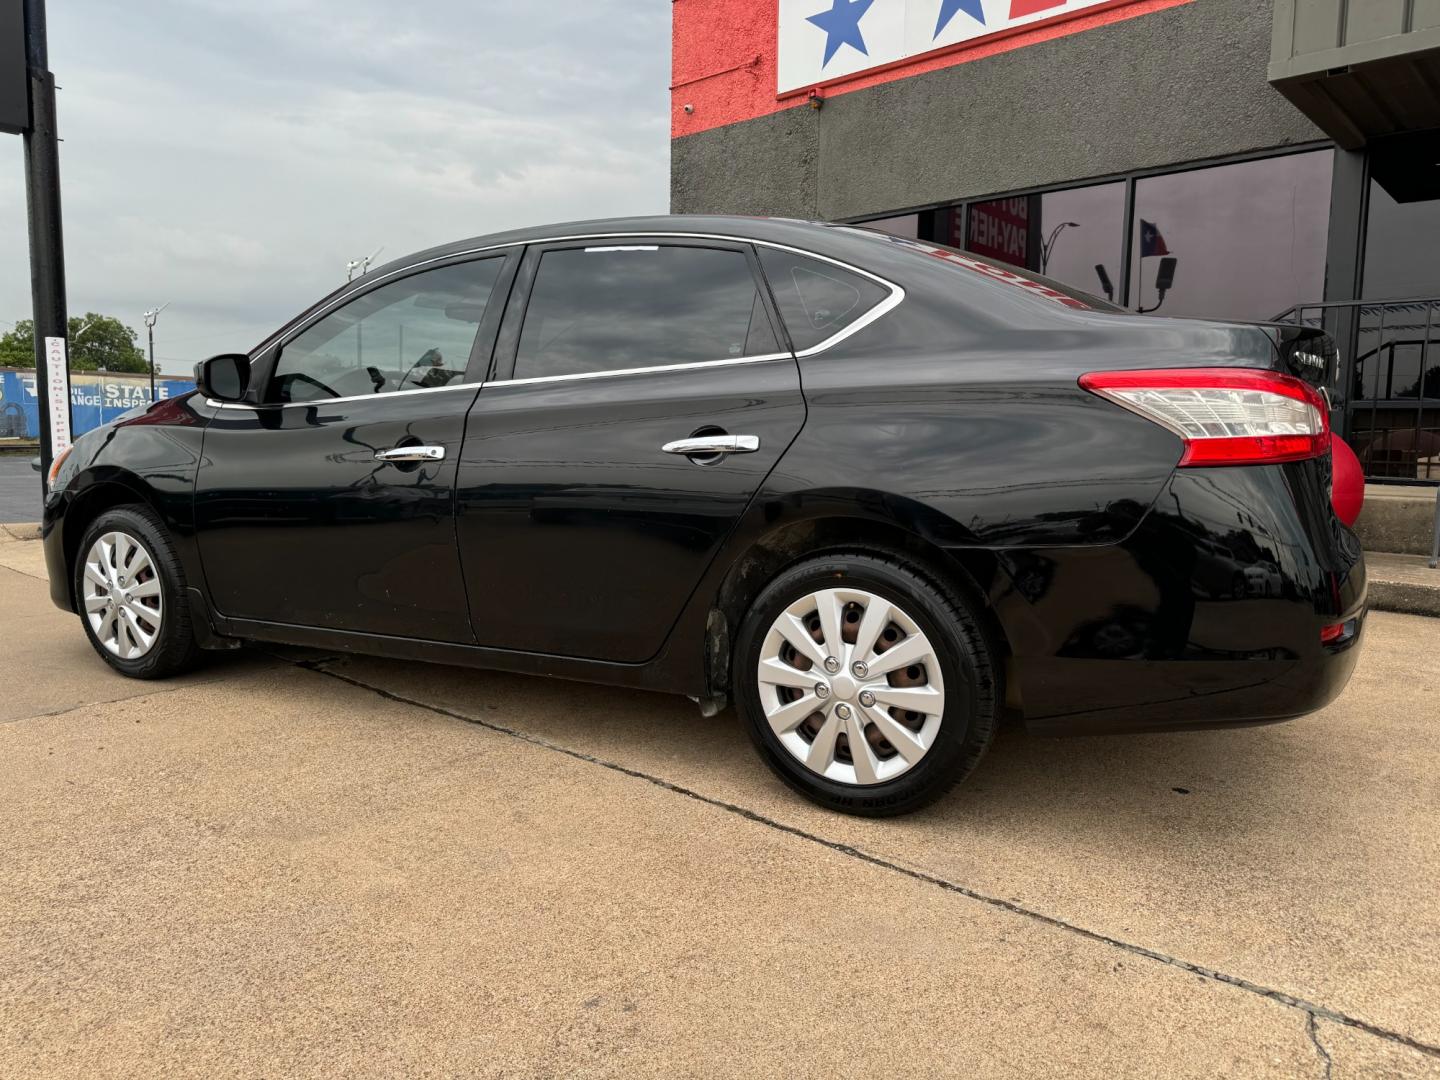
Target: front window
412	334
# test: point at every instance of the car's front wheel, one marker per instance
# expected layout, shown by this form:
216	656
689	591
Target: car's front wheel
867	686
130	592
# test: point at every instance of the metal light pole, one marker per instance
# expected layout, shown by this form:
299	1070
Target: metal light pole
1049	245
150	317
47	243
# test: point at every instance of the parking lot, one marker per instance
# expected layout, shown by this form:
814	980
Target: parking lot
293	863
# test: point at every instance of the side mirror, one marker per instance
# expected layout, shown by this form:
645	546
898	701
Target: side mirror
225	377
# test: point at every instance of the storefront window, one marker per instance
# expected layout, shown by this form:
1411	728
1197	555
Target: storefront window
1248	240
906	225
1002	229
1081	233
1075	236
1402	232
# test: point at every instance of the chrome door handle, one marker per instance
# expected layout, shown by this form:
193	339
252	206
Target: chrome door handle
714	444
411	453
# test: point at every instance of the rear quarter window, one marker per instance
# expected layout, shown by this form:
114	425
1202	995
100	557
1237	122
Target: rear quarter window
817	299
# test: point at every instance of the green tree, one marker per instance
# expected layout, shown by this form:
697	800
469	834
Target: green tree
96	341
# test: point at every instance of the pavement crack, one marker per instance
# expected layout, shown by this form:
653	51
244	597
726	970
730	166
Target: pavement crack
1313	1011
24	573
1312	1028
62	710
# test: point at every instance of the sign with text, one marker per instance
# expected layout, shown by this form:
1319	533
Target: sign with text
57	376
822	40
95	398
14	74
1000	229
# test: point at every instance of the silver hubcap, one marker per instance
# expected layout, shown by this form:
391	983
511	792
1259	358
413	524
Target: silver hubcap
851	687
121	593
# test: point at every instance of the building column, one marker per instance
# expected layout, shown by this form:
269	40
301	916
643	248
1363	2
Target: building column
1344	265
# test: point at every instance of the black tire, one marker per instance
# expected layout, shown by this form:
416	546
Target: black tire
175	649
967	658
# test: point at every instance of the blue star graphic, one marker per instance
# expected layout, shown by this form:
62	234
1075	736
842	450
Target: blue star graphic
842	26
948	8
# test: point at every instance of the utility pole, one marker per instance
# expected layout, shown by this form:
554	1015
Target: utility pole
47	245
150	317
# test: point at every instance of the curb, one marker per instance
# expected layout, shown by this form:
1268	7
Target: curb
22	531
1405	599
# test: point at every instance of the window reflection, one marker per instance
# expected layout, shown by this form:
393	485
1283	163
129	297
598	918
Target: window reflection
1248	240
906	225
610	308
1074	236
1403	227
412	334
1082	237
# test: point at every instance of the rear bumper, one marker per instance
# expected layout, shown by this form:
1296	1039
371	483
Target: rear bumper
1209	614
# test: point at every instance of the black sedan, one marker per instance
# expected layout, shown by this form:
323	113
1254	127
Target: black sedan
876	492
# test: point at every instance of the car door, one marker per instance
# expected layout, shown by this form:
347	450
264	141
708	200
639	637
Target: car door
641	397
328	500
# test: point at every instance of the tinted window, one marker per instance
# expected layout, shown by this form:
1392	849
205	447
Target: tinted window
412	334
612	308
1076	236
1403	228
902	225
817	299
1248	240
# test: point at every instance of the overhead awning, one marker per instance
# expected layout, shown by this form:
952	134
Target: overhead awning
1359	71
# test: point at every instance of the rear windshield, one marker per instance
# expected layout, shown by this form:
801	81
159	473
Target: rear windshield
1045	288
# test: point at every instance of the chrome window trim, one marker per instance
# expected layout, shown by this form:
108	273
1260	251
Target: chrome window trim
500	383
339	400
889	304
689	366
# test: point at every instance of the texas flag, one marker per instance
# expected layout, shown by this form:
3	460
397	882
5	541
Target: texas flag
1151	242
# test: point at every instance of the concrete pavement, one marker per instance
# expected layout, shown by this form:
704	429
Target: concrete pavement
292	864
19	488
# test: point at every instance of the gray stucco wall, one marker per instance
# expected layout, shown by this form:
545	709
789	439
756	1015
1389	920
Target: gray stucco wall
1178	85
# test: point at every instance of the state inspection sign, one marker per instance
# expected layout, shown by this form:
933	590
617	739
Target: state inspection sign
14	75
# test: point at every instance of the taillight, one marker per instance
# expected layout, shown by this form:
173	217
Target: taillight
1225	416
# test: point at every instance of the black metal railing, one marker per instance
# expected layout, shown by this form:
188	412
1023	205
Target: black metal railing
1387	384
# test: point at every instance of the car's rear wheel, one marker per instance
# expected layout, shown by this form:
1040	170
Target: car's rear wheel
866	685
130	591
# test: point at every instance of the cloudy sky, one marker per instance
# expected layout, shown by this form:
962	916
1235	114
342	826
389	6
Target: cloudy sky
230	158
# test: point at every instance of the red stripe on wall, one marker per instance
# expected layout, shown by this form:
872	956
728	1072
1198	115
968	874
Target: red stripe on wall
723	59
1030	7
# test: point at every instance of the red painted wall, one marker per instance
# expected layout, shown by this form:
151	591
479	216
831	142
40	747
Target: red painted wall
724	55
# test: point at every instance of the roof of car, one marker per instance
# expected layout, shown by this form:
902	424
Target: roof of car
811	235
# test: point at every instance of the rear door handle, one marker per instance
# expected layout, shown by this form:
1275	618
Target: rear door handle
411	453
714	444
